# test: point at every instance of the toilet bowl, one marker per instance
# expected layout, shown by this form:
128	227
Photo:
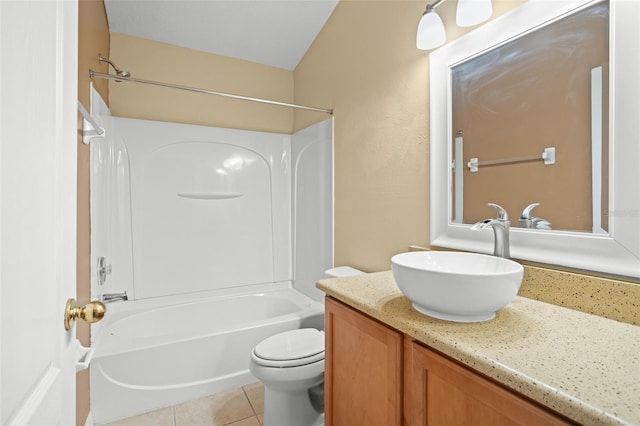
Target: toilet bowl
291	367
289	364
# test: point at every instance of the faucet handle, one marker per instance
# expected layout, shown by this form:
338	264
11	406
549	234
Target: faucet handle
502	213
526	213
103	270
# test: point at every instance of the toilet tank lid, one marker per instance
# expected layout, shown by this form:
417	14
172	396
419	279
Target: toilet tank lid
342	271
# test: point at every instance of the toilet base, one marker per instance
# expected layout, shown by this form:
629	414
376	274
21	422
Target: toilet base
289	409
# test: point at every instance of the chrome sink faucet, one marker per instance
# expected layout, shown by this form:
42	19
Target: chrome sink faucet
528	221
500	227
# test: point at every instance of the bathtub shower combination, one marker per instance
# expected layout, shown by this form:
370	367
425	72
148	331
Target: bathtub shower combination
217	236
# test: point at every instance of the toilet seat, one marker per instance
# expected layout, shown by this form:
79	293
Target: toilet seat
290	349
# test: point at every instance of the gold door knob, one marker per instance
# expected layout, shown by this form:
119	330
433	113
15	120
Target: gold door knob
91	312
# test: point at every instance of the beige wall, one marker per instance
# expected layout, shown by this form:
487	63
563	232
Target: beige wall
151	60
93	39
366	66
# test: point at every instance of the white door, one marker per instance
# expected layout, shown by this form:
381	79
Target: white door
38	114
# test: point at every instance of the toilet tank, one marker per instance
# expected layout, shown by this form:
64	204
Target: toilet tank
342	271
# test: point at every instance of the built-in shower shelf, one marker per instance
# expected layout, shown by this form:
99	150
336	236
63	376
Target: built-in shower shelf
209	195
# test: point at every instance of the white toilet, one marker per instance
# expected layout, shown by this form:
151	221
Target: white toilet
291	367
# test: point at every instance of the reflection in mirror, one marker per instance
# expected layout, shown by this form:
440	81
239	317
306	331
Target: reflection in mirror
541	94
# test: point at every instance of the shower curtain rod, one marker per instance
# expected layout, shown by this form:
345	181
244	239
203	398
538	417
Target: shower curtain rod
93	74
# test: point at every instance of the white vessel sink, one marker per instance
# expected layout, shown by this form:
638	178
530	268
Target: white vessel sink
455	286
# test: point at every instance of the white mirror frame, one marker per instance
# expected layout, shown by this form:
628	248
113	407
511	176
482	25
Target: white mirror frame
617	253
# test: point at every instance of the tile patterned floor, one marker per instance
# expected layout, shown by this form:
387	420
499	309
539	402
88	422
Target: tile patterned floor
237	407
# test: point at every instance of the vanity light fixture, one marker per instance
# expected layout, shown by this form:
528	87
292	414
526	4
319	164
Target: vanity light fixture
430	29
431	33
473	12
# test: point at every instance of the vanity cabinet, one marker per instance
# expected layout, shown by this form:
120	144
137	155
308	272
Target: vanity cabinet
363	369
375	375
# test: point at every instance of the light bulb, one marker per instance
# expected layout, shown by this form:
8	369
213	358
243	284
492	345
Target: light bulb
472	12
430	31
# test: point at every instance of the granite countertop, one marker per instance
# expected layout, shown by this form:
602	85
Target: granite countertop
580	365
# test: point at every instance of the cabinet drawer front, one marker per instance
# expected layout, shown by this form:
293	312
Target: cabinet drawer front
443	392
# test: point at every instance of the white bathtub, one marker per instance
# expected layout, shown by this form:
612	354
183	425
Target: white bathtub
154	353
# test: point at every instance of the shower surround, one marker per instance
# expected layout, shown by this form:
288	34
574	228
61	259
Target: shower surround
217	236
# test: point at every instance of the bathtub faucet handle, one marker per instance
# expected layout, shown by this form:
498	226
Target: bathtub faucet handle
103	270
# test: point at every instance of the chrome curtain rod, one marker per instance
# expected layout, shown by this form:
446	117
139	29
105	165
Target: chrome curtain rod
94	74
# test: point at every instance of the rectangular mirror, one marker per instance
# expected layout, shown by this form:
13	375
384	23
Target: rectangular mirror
537	111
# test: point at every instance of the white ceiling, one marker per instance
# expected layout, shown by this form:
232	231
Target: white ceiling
270	32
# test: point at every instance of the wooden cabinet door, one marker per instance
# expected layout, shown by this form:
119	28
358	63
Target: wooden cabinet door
442	392
363	369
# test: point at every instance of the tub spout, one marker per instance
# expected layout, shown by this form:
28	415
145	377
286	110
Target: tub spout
112	297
